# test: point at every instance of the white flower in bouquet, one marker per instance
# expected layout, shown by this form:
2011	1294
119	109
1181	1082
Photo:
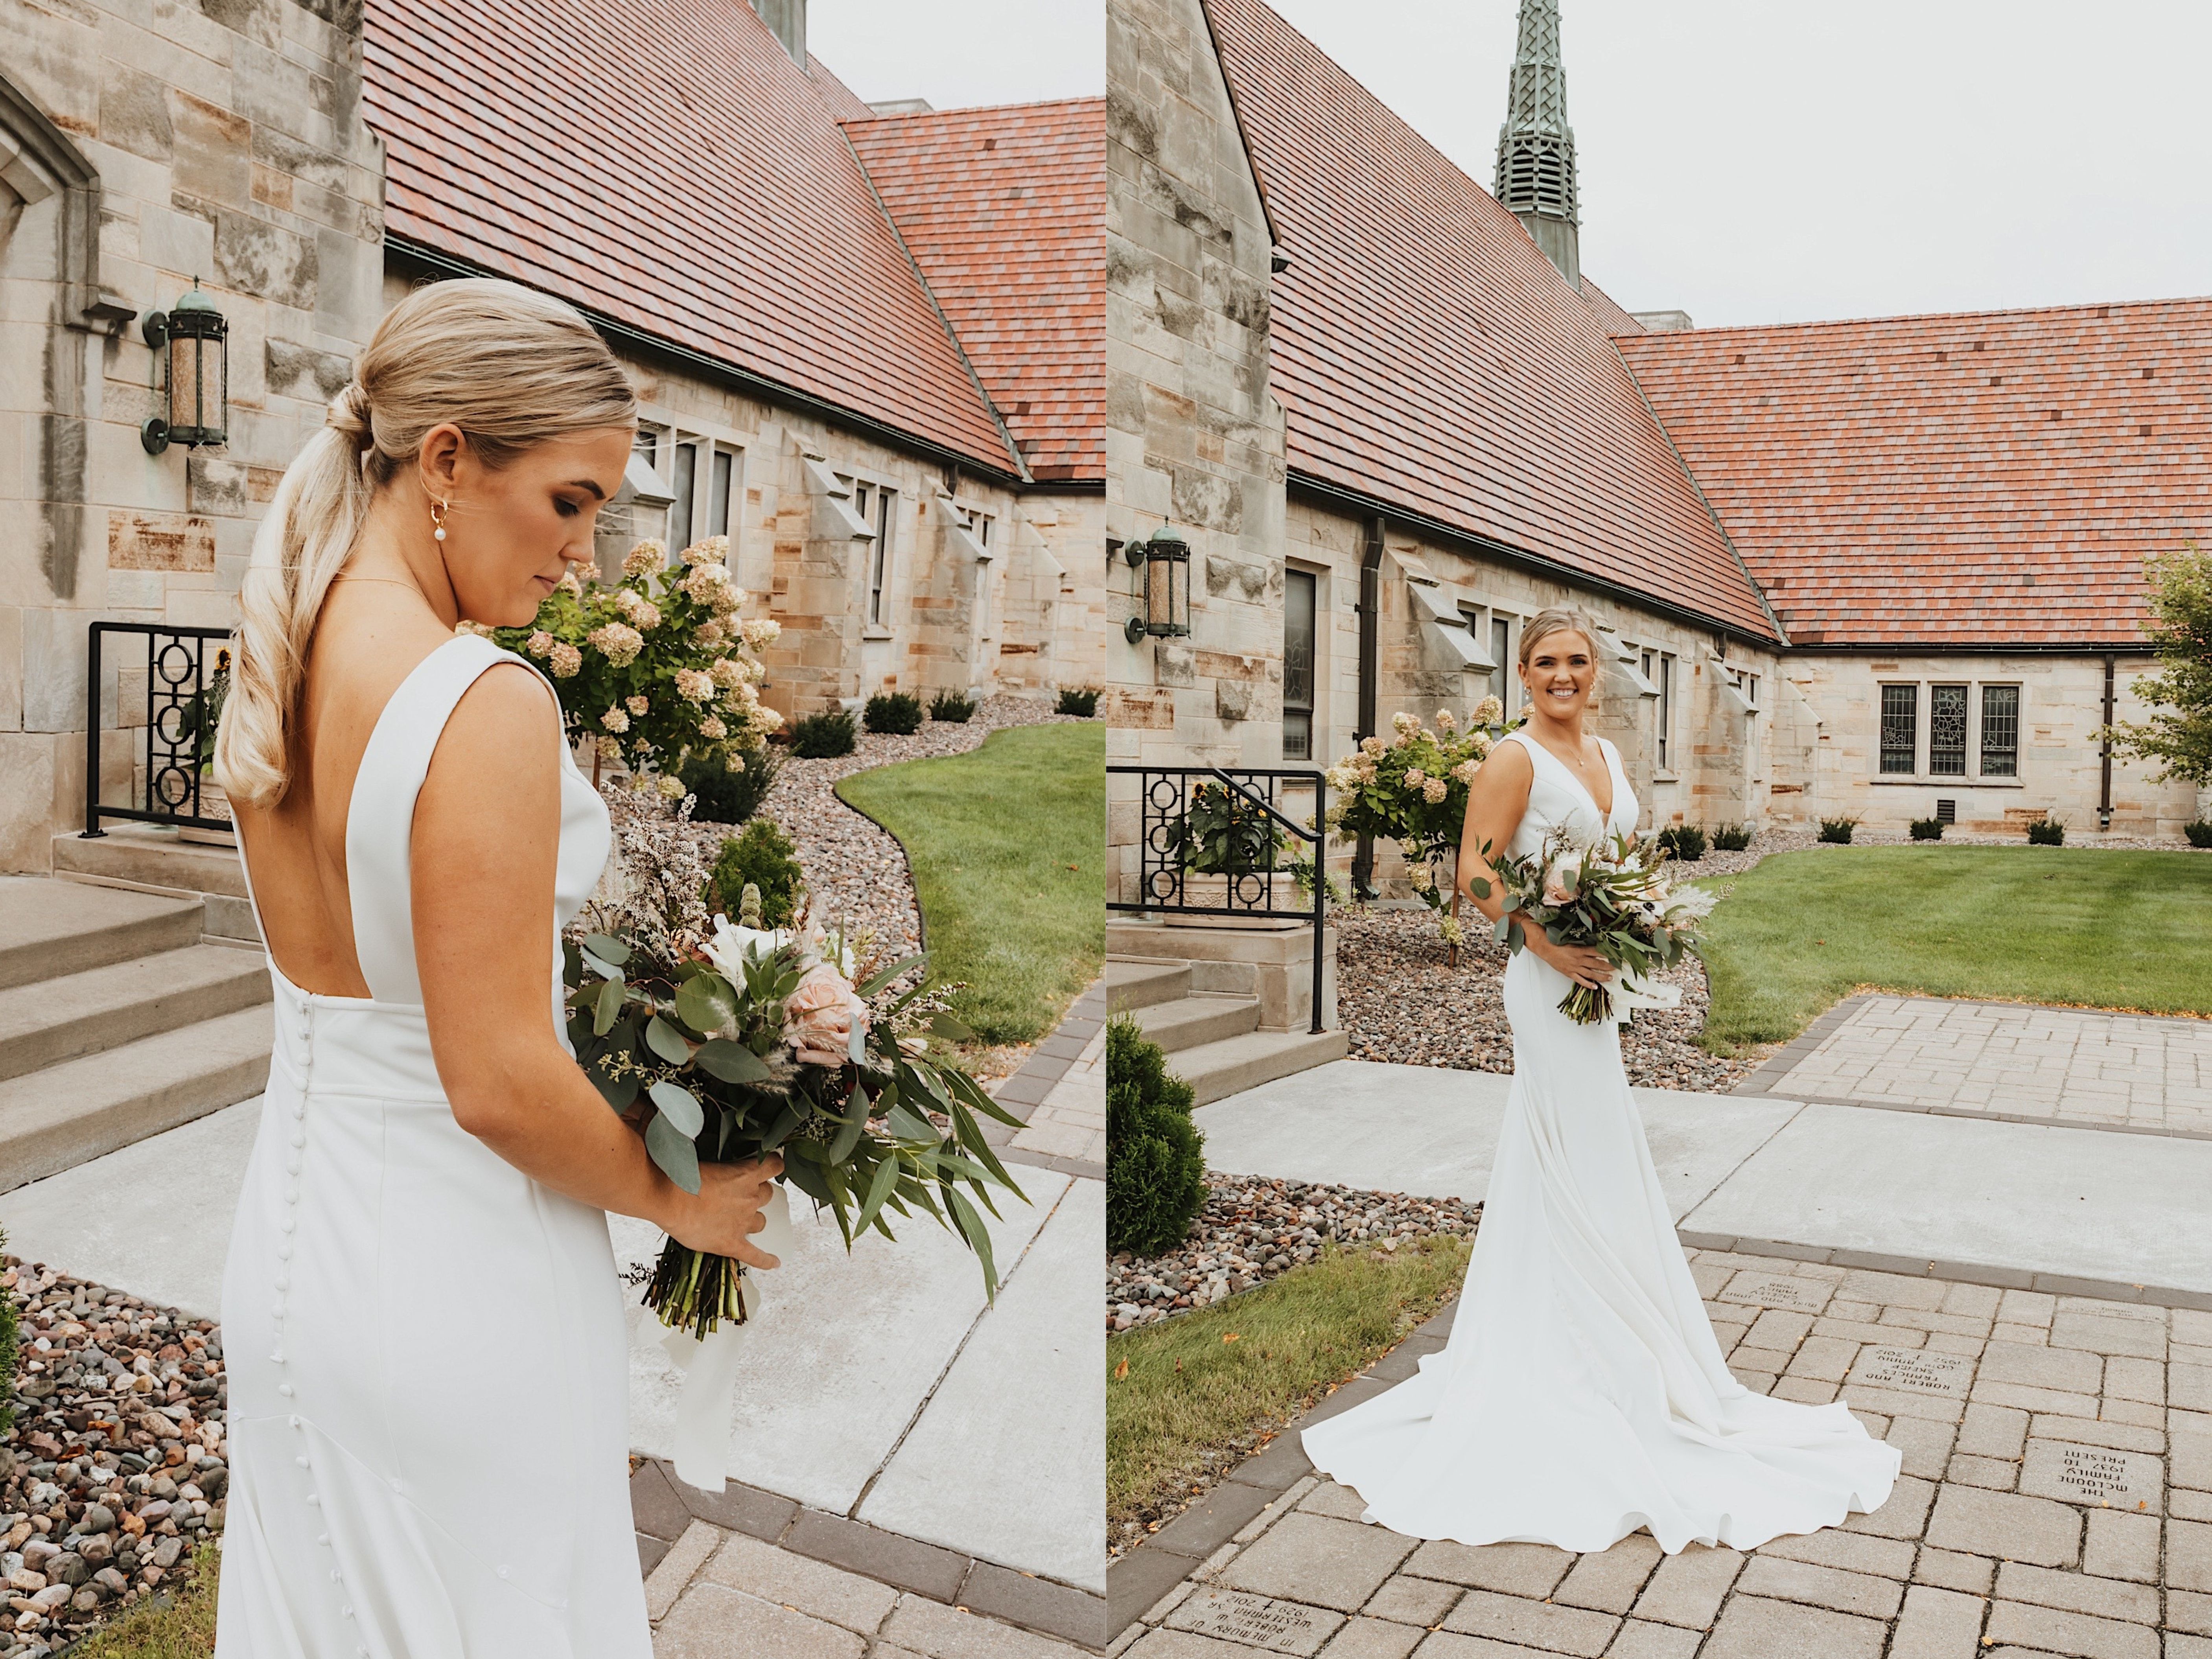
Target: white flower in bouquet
617	642
1563	876
820	1018
693	685
648	556
715	549
1688	904
540	644
565	660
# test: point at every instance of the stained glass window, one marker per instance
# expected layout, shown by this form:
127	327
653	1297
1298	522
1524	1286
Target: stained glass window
1900	727
1947	731
2000	730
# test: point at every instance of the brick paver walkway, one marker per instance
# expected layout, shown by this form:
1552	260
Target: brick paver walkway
1071	1122
2056	1499
2045	1065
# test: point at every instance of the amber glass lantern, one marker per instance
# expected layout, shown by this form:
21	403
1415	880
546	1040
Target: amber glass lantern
1163	567
196	338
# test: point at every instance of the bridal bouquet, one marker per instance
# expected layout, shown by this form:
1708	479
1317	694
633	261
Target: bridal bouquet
1609	897
729	1041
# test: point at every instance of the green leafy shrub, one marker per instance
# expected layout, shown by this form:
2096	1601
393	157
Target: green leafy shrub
730	789
1079	700
1686	842
2199	833
952	707
1837	830
8	1353
1155	1155
1731	837
825	736
763	858
2046	831
896	713
1927	829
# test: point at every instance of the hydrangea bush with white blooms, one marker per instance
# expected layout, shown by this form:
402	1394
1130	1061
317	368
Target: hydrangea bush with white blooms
1412	790
657	666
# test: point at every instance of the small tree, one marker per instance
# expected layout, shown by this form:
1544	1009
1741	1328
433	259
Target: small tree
2179	733
1155	1155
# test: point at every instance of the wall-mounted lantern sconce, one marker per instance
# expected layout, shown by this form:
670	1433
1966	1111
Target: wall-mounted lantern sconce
1166	562
196	337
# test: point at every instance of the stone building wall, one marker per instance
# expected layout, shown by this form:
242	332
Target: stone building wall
143	147
2059	763
1194	439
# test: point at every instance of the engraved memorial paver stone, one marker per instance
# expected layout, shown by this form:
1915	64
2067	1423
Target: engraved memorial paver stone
1755	1288
2094	1475
1257	1621
1914	1371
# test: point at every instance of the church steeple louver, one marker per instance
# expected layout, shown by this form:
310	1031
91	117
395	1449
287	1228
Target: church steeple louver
1536	147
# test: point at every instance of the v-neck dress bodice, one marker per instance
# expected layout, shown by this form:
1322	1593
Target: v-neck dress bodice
1582	1395
426	1349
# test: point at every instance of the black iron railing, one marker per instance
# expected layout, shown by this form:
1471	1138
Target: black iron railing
180	674
1237	841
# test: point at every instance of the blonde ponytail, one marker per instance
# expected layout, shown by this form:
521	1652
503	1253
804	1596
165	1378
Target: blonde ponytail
508	366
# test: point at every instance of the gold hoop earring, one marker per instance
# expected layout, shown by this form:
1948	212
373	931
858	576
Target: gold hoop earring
438	520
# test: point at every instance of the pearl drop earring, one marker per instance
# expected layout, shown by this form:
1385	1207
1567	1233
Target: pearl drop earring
438	520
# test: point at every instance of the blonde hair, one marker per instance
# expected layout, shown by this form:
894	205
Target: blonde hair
1555	619
510	367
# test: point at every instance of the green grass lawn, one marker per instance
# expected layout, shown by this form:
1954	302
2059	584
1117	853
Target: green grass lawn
182	1629
1801	931
1008	845
1192	1403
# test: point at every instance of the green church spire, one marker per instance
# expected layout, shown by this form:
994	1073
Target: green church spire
1536	147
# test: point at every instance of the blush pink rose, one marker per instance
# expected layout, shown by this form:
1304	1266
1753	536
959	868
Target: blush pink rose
818	1018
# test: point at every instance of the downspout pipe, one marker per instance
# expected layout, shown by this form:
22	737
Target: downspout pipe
2104	799
1370	635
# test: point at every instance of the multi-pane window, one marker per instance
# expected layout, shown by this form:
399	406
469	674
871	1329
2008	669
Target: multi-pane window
702	481
873	505
1900	728
1947	731
1298	649
1746	682
2000	730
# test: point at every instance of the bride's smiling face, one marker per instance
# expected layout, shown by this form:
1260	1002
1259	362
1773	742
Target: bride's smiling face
1560	673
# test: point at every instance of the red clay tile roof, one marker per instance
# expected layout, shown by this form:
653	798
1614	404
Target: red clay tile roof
1004	211
1974	479
1610	316
665	164
1427	355
840	99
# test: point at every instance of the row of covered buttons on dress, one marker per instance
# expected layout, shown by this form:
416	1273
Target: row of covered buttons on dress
295	1138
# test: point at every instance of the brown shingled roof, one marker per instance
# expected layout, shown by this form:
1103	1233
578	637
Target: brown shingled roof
665	164
1982	478
1004	211
1429	355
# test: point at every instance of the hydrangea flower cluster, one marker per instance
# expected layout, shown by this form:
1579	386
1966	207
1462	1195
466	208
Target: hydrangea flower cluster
1411	789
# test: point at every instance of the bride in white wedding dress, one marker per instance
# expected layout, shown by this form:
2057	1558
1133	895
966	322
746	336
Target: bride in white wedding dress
425	1335
1582	1395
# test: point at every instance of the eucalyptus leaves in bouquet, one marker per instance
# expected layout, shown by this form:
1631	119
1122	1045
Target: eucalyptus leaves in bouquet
657	664
1412	790
730	1041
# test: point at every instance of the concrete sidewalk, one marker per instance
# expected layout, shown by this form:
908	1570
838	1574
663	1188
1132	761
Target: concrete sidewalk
2047	1207
880	1392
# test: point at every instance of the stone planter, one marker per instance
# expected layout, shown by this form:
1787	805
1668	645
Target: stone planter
214	804
1275	892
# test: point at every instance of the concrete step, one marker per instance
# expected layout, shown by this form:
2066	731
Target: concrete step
149	859
1217	1070
61	1017
1134	982
1201	1017
70	1113
50	929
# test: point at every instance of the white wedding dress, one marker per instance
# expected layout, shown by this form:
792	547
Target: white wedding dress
1582	1395
427	1350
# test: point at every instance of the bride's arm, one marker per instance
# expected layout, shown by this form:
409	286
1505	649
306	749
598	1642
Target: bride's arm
486	843
1495	801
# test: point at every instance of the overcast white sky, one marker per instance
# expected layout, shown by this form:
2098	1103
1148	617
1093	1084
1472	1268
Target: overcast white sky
959	52
1758	160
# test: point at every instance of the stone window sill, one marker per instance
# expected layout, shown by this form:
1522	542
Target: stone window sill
1900	780
875	631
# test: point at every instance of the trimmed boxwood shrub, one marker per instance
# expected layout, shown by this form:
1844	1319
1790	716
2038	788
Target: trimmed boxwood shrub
953	707
1079	700
2046	831
1686	842
1731	837
763	857
721	795
2199	833
825	736
898	714
1837	830
1927	829
1155	1155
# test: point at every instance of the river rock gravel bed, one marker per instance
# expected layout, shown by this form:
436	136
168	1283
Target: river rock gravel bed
116	1468
1253	1229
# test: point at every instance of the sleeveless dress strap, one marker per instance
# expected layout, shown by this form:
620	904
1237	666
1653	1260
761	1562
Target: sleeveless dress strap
380	818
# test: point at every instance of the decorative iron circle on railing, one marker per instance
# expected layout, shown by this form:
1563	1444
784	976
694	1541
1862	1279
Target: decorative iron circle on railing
174	787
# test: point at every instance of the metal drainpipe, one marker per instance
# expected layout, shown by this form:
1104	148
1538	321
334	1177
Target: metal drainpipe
2105	801
1370	606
